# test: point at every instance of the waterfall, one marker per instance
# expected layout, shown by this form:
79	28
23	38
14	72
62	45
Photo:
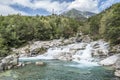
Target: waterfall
85	57
78	52
87	52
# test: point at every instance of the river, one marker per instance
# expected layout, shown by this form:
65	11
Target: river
59	70
69	62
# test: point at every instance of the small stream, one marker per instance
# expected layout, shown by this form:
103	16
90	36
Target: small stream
59	70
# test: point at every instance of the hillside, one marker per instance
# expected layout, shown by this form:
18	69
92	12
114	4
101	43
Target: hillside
79	15
106	25
15	30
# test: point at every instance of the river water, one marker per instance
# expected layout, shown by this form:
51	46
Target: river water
69	62
59	70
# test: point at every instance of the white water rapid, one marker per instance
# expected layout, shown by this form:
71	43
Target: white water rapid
79	52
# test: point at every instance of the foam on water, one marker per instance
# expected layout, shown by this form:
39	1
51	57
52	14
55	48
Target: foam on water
82	56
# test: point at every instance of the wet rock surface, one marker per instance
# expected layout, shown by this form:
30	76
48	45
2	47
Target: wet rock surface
115	49
72	49
117	67
9	62
110	61
40	63
117	73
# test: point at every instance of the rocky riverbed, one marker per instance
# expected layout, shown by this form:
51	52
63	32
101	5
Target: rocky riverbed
82	50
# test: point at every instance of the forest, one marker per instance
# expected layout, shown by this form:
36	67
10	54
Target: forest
16	30
106	25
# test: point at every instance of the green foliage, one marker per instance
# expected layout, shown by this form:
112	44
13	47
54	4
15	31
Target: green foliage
15	30
106	24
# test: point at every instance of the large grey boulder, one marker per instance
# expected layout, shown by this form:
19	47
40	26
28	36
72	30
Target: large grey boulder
110	60
9	62
117	73
117	67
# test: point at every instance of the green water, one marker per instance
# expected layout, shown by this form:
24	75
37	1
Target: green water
59	70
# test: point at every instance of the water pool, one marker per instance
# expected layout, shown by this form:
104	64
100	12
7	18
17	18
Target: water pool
59	70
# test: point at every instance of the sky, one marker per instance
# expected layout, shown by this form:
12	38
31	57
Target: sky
46	7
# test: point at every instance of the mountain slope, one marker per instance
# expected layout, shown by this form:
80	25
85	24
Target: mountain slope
73	13
106	24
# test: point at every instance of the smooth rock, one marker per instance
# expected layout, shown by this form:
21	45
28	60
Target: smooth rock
20	65
78	46
117	73
110	60
39	63
117	65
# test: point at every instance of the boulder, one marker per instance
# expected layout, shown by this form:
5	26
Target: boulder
117	73
1	67
115	49
86	39
38	51
96	45
117	65
40	63
67	41
23	55
100	52
79	39
110	60
117	68
72	39
79	46
14	62
20	65
9	62
66	56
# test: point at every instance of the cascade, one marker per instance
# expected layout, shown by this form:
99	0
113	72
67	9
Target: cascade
82	53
